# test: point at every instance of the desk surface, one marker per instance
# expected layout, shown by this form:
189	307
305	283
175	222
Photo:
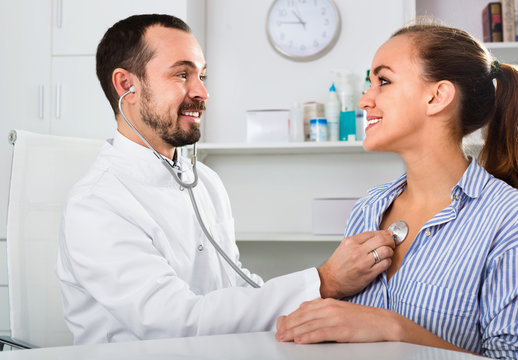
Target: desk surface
261	345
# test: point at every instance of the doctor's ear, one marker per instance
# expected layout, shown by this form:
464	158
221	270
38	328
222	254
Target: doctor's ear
441	96
123	81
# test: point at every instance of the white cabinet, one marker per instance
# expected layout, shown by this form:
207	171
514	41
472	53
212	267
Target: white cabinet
79	107
78	26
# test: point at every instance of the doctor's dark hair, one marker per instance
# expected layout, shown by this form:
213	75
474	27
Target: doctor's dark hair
451	54
123	46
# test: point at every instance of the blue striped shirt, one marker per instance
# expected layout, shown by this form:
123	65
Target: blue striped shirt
459	278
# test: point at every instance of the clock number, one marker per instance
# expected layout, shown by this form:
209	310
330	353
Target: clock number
291	3
326	22
302	47
323	11
315	43
324	34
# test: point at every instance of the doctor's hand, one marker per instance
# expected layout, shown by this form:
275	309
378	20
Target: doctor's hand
355	263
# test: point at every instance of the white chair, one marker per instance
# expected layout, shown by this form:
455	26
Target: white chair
44	168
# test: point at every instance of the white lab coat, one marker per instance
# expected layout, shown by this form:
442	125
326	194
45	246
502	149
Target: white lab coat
133	262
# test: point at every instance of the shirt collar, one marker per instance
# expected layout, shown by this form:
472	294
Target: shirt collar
473	181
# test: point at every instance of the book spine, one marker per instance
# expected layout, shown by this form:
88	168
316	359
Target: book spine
495	16
508	22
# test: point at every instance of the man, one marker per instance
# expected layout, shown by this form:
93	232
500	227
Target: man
133	262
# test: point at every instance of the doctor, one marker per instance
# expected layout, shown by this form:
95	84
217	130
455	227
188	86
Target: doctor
133	262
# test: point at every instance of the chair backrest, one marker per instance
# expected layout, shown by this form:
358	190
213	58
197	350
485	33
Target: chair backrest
44	168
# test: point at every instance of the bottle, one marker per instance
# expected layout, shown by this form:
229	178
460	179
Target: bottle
332	112
347	108
312	110
296	123
318	130
361	118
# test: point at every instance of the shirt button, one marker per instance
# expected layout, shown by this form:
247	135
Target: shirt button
427	232
456	197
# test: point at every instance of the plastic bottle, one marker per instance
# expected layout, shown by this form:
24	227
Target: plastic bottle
347	108
318	130
361	118
332	112
296	125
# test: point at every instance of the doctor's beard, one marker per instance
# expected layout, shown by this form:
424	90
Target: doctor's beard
166	126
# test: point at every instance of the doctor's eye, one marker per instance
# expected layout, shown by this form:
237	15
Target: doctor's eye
203	78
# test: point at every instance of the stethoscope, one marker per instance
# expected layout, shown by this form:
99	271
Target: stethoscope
174	170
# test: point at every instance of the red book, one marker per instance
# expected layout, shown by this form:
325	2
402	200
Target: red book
492	22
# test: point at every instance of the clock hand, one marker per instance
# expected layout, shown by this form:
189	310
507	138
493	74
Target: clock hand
290	22
303	23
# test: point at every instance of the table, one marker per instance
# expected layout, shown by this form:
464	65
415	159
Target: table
260	345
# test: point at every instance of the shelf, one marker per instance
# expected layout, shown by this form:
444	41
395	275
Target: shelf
502	45
330	147
287	237
506	52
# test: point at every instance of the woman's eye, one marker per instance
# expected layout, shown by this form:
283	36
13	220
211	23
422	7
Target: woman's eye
383	81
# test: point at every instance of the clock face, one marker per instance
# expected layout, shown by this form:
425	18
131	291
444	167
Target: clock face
303	30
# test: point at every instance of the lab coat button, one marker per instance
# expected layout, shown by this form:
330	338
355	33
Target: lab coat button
200	247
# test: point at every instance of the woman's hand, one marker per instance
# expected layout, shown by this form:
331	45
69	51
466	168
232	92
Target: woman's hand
333	320
341	321
354	265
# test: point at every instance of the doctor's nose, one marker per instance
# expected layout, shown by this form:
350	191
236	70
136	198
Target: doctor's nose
198	91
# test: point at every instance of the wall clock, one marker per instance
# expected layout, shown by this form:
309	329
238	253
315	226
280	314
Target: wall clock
303	30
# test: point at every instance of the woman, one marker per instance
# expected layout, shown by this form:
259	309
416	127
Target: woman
453	282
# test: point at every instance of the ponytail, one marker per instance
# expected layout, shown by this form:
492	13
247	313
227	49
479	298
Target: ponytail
499	155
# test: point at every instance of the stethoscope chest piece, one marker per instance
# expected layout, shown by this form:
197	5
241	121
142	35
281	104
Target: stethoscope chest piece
399	230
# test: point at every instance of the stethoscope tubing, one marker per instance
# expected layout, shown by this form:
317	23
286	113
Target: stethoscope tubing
189	186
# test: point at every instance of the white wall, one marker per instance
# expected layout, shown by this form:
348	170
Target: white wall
246	73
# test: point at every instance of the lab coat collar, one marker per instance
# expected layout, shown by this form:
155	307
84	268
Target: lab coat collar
142	163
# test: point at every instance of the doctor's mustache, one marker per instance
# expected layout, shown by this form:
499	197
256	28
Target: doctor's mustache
192	106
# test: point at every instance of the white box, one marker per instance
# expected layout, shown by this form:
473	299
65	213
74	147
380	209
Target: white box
267	126
329	215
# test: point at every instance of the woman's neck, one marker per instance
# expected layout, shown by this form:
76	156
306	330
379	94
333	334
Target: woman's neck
432	174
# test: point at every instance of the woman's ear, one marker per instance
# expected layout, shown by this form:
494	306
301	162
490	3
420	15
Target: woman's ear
122	80
442	95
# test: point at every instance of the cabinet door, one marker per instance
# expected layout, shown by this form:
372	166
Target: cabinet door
79	107
79	25
24	73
